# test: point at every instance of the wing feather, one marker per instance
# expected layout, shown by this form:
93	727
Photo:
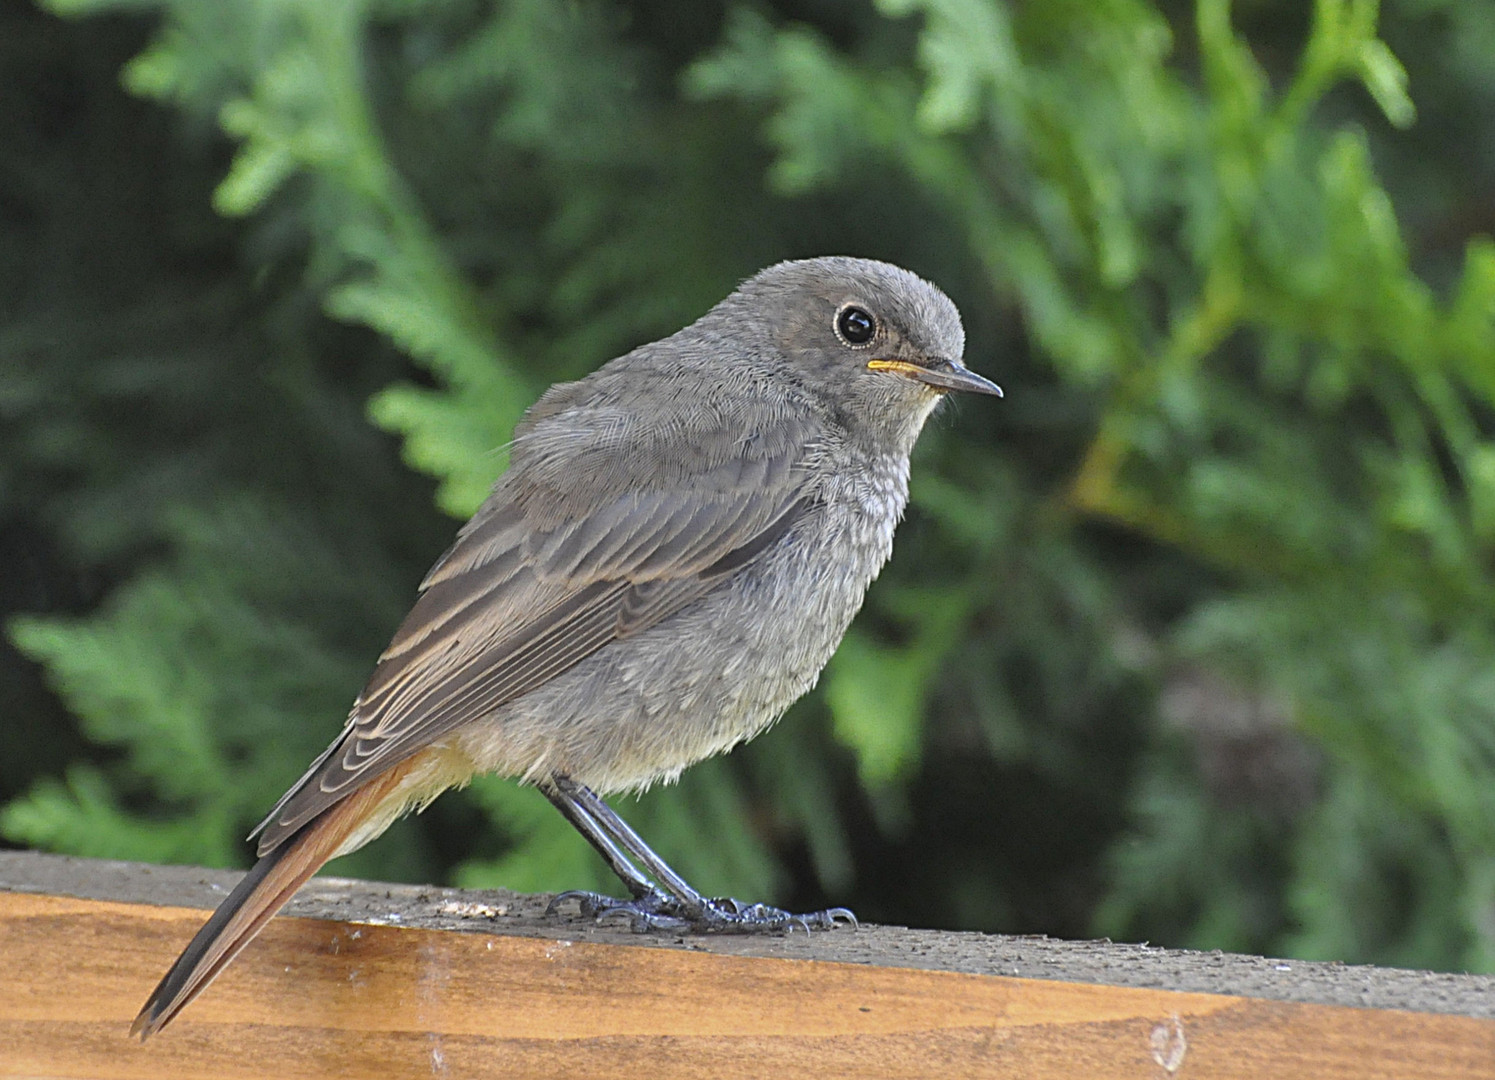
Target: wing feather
527	592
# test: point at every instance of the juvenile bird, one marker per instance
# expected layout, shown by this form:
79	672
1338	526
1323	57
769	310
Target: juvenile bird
678	545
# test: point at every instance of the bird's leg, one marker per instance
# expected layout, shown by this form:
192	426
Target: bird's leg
583	822
651	901
673	904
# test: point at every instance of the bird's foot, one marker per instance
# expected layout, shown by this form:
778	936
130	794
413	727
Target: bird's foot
659	910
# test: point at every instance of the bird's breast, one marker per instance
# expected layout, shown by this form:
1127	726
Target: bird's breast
723	669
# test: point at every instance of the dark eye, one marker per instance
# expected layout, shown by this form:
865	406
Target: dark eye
855	325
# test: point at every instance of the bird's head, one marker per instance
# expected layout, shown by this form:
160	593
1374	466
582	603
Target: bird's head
880	345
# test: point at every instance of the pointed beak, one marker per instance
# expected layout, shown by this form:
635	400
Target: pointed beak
941	374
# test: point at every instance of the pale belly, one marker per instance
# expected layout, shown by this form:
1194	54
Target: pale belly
714	675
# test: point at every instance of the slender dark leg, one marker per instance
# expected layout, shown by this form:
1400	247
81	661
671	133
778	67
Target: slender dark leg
607	818
672	904
584	823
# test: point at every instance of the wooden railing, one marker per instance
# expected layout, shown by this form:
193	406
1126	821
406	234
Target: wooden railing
387	981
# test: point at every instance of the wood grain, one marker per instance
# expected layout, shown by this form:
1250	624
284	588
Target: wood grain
319	998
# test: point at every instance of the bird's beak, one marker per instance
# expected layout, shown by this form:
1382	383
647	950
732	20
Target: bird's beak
941	374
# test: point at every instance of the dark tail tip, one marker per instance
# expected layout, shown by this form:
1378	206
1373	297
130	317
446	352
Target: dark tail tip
202	959
256	899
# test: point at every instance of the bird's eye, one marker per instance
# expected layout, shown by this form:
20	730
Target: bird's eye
855	325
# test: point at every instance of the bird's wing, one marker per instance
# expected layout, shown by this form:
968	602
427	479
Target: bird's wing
550	570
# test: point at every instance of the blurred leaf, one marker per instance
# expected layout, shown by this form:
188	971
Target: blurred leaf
1199	615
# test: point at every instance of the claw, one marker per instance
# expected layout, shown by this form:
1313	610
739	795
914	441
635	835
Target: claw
589	903
659	911
830	915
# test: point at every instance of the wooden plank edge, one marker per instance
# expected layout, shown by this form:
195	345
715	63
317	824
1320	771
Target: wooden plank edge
501	912
315	997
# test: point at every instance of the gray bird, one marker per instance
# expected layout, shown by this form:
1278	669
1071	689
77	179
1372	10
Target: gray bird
676	548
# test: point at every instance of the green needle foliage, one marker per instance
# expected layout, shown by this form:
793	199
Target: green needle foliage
1191	638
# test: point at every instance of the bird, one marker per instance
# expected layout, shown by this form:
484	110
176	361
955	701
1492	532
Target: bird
675	549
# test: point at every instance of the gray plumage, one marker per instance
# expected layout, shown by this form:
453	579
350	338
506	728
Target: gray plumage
679	543
591	619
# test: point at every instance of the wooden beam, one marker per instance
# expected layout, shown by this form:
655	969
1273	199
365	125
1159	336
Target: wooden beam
486	985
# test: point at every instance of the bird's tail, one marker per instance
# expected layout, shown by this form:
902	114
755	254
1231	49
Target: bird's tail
263	892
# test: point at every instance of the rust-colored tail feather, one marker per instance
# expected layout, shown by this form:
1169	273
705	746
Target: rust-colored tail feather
263	892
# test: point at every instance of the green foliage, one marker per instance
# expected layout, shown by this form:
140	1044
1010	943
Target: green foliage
1206	602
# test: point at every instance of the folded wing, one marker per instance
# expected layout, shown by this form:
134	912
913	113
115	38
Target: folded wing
533	586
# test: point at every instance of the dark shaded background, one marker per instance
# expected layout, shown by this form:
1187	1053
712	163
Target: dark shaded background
1189	639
